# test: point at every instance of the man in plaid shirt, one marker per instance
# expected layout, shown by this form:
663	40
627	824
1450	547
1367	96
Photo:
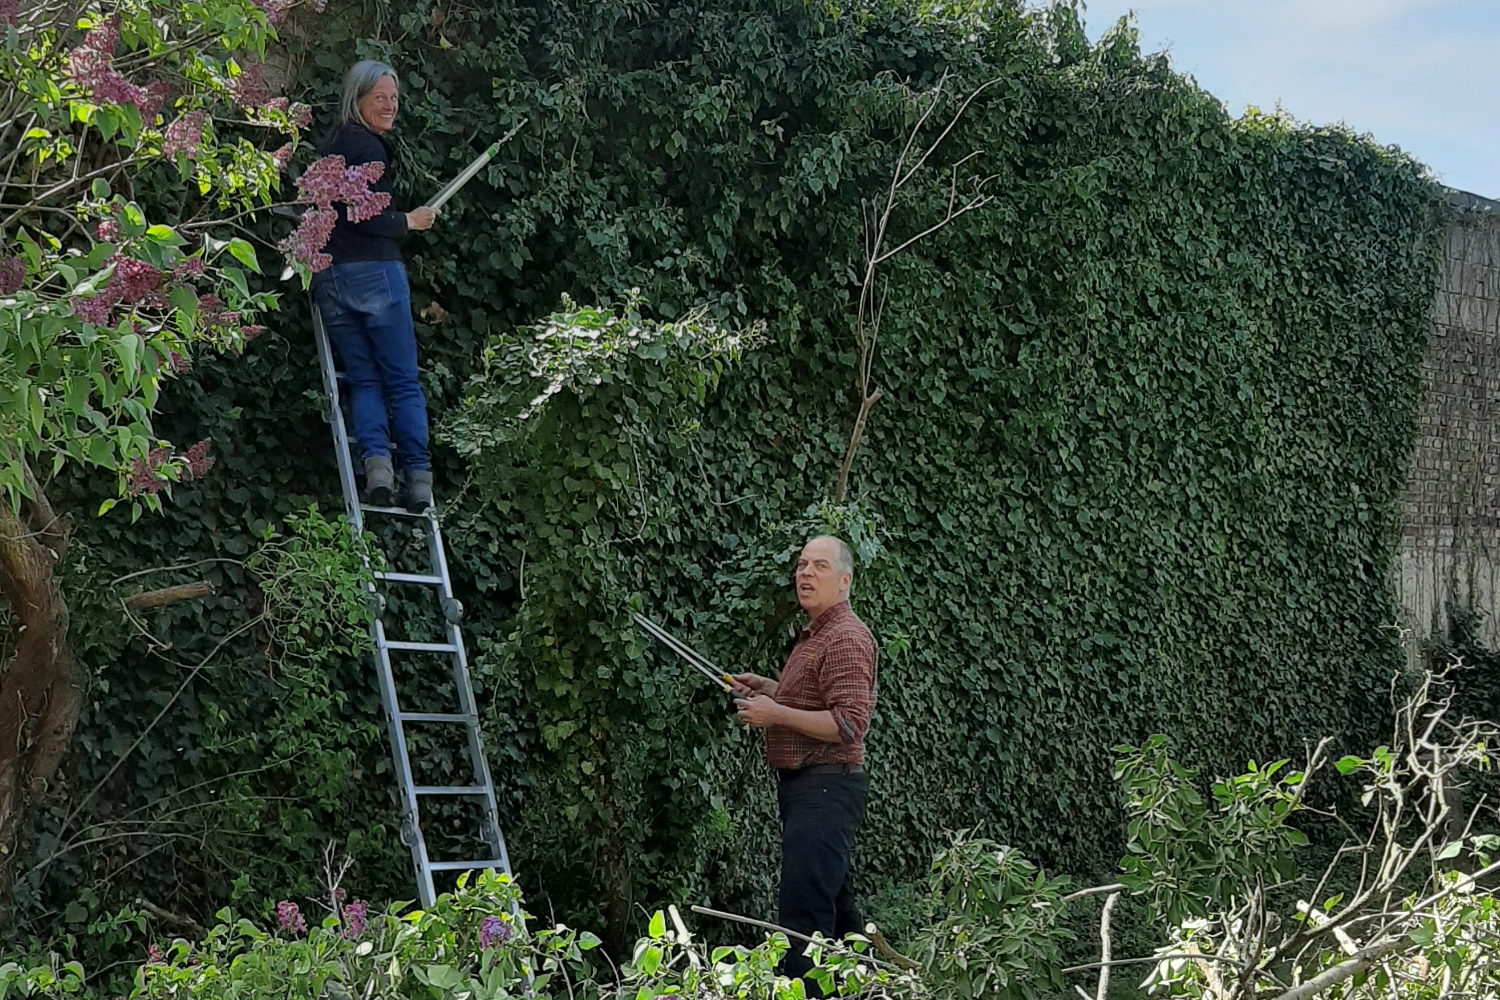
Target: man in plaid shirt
815	717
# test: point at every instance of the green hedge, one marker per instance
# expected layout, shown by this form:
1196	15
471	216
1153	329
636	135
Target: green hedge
1145	423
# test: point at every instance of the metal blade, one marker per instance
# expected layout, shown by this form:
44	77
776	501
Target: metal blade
697	662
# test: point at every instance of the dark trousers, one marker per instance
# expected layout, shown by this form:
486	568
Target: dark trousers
819	814
366	307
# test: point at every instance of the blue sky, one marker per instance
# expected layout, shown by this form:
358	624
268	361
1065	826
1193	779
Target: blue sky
1420	74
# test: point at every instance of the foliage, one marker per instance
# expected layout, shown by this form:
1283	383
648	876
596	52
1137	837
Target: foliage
318	587
998	931
108	292
995	924
316	613
1145	420
1181	851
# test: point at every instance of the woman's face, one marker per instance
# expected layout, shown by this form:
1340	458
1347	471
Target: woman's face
378	107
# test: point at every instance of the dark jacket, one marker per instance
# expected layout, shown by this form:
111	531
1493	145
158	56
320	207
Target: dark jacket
373	239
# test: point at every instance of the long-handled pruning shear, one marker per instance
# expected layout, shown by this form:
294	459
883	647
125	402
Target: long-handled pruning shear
682	649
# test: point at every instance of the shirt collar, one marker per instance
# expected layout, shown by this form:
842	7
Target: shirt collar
835	613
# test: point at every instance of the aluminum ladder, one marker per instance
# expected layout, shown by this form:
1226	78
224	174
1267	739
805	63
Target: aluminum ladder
412	794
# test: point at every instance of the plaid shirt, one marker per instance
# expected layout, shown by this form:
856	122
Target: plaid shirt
832	668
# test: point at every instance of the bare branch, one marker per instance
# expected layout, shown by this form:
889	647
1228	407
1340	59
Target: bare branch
767	925
1104	946
169	595
1365	958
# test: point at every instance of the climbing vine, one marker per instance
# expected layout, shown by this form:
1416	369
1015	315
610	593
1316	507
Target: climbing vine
1145	418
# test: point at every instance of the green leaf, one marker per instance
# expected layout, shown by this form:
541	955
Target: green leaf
243	252
128	348
237	279
165	235
658	925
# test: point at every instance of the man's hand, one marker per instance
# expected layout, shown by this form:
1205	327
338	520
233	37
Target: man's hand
757	711
420	218
748	685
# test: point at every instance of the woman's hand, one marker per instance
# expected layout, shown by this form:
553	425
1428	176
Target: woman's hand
420	218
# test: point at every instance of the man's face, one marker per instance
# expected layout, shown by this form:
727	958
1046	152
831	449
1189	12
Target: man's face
819	583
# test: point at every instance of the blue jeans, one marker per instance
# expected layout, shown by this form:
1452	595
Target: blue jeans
366	307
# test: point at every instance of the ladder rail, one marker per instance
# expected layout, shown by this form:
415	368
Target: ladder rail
343	454
409	791
490	829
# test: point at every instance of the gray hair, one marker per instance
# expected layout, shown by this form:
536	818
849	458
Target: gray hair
359	81
843	559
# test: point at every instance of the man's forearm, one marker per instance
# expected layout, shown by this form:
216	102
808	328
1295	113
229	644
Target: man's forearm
819	725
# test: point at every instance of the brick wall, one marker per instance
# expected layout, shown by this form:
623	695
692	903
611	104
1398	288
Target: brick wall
1450	543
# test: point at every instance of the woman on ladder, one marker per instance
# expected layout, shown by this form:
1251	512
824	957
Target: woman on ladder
365	301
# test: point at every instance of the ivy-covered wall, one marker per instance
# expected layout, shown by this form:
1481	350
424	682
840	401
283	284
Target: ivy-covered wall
1145	423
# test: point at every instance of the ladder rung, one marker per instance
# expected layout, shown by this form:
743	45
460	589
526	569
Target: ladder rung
410	578
455	866
398	511
421	647
450	790
437	717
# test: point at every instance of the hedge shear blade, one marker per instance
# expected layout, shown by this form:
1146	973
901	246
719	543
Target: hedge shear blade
695	661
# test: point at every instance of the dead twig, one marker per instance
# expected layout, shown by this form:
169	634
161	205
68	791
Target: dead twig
188	924
767	925
169	595
872	293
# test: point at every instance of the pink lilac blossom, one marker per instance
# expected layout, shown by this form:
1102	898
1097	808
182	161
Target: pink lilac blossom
91	68
184	135
249	90
12	274
300	115
356	919
307	241
252	331
108	231
278	104
95	310
153	954
289	918
282	156
184	271
214	315
199	462
275	9
133	280
360	202
324	182
327	180
151	97
9	11
145	481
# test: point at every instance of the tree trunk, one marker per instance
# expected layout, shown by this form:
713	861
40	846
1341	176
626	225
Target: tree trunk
40	691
